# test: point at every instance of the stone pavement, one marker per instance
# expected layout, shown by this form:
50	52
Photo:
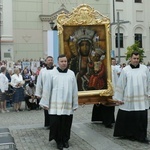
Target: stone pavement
27	129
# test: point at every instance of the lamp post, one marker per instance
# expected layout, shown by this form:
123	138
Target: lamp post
113	11
52	24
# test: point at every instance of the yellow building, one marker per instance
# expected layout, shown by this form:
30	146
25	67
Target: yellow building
31	22
24	25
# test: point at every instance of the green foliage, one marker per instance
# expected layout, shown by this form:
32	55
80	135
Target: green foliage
135	47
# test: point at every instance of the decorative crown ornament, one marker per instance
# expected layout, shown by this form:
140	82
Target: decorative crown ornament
82	34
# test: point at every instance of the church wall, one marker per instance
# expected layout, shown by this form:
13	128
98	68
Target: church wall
6	30
137	15
24	35
30	33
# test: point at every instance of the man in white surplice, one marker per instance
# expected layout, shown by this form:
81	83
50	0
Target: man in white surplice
39	86
103	113
60	97
133	89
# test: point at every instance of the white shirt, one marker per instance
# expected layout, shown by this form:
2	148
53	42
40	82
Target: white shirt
30	90
114	76
3	82
39	84
16	79
60	93
133	88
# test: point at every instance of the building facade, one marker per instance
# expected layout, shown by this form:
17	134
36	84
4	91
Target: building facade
6	30
24	25
135	14
31	22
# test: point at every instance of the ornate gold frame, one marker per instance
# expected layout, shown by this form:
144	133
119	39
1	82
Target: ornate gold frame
84	15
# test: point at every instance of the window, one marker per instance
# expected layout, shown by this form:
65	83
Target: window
7	55
138	37
121	40
138	1
119	0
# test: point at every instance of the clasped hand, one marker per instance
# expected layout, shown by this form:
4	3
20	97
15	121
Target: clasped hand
119	103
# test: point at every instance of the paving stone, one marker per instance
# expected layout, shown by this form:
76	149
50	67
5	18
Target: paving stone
27	129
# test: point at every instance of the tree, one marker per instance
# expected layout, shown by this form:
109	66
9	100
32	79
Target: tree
135	47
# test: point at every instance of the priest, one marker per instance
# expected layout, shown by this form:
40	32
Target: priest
60	98
133	89
39	86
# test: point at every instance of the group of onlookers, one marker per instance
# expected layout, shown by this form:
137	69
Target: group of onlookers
17	85
3	89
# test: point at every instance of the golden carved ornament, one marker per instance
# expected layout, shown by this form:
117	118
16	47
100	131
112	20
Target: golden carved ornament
82	15
109	91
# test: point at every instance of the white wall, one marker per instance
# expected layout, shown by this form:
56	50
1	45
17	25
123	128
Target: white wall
30	33
138	15
6	29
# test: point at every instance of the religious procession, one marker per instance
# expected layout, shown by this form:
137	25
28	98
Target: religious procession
81	71
21	83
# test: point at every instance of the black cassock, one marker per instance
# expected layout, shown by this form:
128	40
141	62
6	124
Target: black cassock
104	114
47	118
131	124
46	115
60	128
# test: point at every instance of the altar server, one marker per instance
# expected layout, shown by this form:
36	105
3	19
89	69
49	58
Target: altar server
133	89
39	87
60	98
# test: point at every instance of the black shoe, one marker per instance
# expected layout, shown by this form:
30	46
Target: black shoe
60	146
47	128
66	145
29	109
146	141
20	109
131	138
109	126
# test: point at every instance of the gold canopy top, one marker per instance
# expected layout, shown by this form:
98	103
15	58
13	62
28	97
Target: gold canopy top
82	15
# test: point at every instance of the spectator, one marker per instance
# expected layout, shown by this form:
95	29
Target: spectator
26	76
10	90
30	98
17	84
33	77
3	89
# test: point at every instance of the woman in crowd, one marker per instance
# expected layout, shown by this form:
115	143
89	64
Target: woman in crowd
17	82
31	100
26	76
10	91
3	89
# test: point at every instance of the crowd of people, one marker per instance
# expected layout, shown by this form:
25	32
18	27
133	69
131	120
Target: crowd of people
18	83
55	89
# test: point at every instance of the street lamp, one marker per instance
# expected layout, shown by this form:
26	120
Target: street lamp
113	11
52	24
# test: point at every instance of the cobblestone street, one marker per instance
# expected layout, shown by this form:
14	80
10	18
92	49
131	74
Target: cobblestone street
27	129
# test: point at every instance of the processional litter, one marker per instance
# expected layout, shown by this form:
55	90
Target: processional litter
84	37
